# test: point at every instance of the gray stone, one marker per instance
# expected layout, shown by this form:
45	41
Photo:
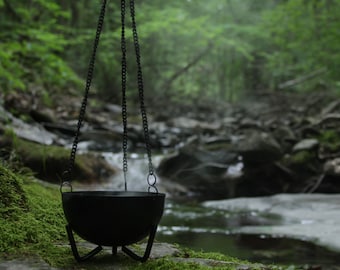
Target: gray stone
332	167
200	171
306	144
259	147
25	264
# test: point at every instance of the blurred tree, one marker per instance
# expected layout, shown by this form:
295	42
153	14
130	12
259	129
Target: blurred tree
191	50
304	38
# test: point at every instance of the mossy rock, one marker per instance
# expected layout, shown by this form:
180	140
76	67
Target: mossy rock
302	157
49	162
330	140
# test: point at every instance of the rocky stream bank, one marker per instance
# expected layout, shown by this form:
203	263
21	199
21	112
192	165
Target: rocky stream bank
276	144
272	144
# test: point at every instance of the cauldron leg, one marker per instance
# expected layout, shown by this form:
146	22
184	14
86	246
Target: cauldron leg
147	250
75	250
114	250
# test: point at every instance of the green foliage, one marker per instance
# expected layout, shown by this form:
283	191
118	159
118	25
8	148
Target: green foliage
32	46
330	140
191	50
304	37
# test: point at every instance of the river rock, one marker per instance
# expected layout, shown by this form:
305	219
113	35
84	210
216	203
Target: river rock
200	171
332	167
113	108
259	147
26	264
193	124
43	115
306	144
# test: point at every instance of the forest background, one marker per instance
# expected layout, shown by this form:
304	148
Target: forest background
191	50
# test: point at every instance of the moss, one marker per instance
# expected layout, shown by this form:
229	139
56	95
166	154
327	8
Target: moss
12	196
168	263
330	139
31	217
217	146
302	157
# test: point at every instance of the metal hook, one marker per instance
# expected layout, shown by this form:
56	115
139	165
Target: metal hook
66	183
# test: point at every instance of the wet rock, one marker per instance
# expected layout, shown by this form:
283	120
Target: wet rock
250	123
60	128
192	124
259	147
19	103
332	167
200	171
306	144
32	132
25	264
229	121
284	134
113	108
43	115
216	263
49	162
331	120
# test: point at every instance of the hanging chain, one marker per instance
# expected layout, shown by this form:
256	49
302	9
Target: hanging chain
151	179
124	106
67	175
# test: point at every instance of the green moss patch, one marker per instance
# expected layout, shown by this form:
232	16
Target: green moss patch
330	139
302	157
31	216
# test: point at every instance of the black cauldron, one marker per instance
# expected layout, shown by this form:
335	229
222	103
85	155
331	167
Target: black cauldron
112	218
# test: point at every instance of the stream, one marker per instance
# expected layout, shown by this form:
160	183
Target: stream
201	228
245	233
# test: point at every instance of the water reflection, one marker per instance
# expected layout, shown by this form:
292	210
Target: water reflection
214	230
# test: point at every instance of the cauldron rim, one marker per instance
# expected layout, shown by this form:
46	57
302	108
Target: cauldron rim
113	194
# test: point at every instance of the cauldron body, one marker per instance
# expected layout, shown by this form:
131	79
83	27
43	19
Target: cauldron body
113	218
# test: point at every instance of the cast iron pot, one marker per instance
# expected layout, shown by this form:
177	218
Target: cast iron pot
113	218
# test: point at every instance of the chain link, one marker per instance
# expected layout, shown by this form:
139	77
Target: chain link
141	96
68	173
124	105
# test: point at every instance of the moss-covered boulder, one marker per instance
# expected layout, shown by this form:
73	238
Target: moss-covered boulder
49	162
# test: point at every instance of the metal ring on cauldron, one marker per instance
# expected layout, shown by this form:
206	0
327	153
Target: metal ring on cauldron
65	183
